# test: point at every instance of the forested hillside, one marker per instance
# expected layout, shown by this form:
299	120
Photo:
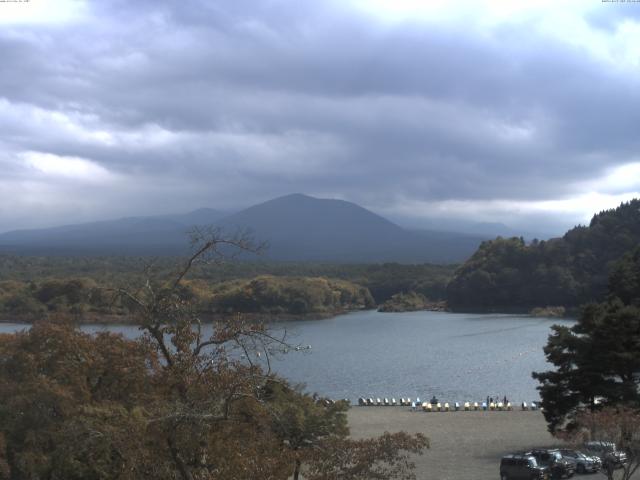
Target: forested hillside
508	274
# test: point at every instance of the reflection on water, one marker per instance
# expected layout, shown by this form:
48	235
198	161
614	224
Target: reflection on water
456	357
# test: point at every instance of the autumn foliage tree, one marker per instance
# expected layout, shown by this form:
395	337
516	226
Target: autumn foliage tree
183	401
388	456
71	403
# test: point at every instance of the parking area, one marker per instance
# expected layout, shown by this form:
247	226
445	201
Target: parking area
464	445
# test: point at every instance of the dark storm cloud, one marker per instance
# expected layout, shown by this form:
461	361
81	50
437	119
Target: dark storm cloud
227	103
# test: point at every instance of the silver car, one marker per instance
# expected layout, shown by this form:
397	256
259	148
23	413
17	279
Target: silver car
607	452
584	463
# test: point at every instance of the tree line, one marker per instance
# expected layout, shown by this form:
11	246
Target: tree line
81	286
508	274
87	300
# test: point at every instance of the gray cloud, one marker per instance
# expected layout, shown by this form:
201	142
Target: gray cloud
228	103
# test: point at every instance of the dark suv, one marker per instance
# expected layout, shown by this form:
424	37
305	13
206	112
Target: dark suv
522	467
552	458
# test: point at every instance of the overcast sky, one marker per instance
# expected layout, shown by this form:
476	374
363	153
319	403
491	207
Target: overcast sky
502	111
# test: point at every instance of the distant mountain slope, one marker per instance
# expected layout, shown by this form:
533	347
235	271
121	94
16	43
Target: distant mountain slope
489	230
507	274
297	228
155	235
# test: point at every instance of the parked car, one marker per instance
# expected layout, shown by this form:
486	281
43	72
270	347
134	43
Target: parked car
607	452
517	466
559	467
584	463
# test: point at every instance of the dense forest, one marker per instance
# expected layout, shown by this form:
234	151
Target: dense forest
84	286
507	274
86	300
383	280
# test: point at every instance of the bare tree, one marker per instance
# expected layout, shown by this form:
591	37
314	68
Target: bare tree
206	373
221	383
163	312
619	425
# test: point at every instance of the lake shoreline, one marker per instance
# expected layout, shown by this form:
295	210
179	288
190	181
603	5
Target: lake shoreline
267	318
112	319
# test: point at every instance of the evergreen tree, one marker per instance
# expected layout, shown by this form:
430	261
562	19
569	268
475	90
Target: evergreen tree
599	357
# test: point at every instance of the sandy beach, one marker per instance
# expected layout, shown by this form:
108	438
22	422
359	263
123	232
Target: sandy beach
464	445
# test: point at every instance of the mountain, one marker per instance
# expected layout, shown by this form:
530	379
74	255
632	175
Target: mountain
162	234
201	216
296	227
507	274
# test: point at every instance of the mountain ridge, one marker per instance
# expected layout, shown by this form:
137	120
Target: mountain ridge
297	227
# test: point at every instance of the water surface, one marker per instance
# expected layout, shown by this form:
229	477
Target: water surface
456	357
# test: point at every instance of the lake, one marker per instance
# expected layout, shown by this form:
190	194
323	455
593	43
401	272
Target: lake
456	357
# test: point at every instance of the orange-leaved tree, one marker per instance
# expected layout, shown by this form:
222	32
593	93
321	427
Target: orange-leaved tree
185	400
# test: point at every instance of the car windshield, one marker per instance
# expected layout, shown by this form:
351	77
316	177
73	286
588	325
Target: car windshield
556	455
532	462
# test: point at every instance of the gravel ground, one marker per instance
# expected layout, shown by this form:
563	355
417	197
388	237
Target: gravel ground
464	445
